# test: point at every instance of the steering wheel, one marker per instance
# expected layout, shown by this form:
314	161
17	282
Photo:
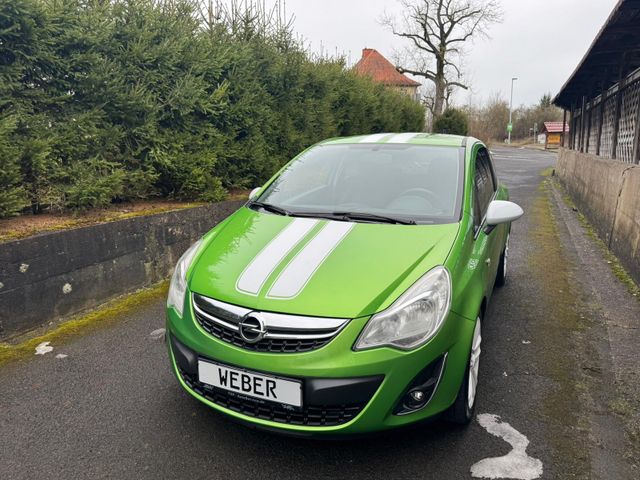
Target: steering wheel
431	197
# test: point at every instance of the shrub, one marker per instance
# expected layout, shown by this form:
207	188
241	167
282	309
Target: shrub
13	197
452	121
123	99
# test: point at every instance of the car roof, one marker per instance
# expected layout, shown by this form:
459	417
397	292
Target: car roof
413	138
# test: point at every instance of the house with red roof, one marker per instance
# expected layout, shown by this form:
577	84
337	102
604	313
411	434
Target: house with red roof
374	65
554	133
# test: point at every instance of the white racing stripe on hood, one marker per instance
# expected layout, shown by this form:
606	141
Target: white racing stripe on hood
374	138
256	273
300	270
402	137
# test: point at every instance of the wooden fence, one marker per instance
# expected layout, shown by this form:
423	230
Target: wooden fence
608	125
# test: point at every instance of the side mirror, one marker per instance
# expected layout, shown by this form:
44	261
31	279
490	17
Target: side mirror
501	211
254	193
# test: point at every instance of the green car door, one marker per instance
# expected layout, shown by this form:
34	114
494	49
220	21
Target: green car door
489	241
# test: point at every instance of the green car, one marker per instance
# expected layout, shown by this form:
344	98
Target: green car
347	295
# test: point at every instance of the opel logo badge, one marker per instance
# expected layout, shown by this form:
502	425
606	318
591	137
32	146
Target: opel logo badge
251	328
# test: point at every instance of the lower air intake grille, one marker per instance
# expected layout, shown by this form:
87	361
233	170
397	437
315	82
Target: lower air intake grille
312	416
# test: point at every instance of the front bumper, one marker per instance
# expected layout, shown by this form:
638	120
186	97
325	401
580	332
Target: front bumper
345	392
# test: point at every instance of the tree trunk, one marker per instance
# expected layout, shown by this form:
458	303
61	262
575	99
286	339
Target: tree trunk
438	105
441	86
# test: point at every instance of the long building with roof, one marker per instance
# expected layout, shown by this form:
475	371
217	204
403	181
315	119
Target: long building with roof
600	162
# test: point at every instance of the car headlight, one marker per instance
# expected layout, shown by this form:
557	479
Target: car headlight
414	318
178	285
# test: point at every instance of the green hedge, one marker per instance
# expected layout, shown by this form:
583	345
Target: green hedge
452	121
107	101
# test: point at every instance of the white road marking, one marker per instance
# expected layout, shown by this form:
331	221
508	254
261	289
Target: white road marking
61	355
157	334
374	138
260	268
516	464
300	270
526	342
43	348
402	137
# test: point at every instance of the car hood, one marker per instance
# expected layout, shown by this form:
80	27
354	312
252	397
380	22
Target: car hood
315	267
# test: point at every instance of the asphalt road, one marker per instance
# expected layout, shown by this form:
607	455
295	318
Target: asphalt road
112	409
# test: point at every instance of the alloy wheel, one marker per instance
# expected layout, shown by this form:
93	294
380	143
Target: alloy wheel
505	258
474	363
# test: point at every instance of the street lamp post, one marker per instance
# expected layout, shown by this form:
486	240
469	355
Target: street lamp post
510	110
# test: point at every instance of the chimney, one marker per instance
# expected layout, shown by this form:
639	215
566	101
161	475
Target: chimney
367	51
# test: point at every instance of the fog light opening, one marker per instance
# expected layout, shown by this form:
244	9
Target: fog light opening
421	389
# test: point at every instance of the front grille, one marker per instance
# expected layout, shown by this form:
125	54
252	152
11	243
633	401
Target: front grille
284	333
265	345
308	415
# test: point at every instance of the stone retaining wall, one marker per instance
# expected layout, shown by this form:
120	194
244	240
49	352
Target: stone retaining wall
57	274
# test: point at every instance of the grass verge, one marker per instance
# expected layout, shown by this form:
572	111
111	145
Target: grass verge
560	330
25	226
625	400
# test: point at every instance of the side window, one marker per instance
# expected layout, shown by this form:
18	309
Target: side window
490	170
479	180
484	185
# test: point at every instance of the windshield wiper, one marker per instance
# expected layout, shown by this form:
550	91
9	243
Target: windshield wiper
271	208
373	217
327	215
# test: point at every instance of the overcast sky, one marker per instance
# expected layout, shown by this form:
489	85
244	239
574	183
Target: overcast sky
540	41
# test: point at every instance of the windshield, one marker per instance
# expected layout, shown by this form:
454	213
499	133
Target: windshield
415	183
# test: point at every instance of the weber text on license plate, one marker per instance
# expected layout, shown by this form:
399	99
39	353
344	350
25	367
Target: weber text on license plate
251	384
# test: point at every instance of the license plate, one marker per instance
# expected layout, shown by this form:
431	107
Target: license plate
250	384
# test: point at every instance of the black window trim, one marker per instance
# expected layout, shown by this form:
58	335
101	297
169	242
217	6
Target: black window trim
494	177
481	227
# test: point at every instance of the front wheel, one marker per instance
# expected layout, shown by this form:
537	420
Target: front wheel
461	412
501	277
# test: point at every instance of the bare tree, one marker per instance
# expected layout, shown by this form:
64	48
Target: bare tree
487	120
438	31
428	99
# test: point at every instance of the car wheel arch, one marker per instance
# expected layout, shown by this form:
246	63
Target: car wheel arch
483	308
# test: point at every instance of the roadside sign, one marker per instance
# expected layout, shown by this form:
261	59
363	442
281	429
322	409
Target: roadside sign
509	127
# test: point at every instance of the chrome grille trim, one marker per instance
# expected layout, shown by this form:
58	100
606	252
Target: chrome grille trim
223	308
217	320
285	333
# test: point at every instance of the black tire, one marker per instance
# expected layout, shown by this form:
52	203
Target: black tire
501	276
460	413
